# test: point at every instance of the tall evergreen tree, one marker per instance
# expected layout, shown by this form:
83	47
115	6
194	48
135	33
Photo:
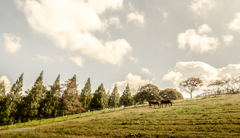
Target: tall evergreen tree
99	99
2	90
70	98
2	100
53	99
114	98
12	100
86	95
35	97
108	97
126	98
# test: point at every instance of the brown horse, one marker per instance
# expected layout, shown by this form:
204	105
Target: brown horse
165	102
154	102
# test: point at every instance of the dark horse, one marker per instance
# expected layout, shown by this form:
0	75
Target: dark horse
165	102
154	102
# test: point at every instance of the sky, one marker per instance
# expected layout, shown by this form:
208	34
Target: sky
119	41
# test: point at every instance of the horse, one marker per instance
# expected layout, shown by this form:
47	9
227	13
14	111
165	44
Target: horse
165	102
154	102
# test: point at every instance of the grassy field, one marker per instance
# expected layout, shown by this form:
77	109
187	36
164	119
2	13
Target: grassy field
215	116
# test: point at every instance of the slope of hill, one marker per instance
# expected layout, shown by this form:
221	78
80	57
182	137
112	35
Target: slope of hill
215	116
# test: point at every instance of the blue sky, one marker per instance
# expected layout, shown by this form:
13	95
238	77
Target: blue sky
119	41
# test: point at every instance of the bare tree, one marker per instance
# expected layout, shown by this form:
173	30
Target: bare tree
216	85
190	85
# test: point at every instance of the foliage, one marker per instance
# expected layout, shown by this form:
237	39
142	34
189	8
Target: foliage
171	94
70	97
11	101
114	98
99	99
52	100
147	93
86	95
126	98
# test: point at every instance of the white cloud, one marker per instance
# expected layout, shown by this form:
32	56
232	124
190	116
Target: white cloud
130	6
133	59
116	22
145	70
171	79
78	60
61	59
44	58
235	24
165	15
11	42
167	44
227	39
7	83
136	18
197	42
134	82
204	29
201	7
70	25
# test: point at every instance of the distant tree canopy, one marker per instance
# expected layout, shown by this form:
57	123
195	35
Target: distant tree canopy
146	93
171	94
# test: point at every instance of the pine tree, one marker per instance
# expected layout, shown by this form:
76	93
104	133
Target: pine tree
35	97
2	100
12	100
86	95
70	97
108	97
52	100
126	98
114	98
99	100
2	90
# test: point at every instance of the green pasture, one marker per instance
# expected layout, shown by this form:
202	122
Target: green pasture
213	116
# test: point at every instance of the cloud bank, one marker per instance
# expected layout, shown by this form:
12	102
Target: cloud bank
198	41
71	24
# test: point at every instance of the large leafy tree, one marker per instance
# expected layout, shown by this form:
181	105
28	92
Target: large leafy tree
86	95
126	98
171	94
99	100
114	98
190	85
70	97
146	93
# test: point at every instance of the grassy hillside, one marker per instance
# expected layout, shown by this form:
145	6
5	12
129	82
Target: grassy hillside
215	116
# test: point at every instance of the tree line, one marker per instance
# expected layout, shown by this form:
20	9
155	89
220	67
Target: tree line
229	85
152	92
57	99
61	99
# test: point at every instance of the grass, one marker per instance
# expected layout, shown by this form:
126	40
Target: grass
214	116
